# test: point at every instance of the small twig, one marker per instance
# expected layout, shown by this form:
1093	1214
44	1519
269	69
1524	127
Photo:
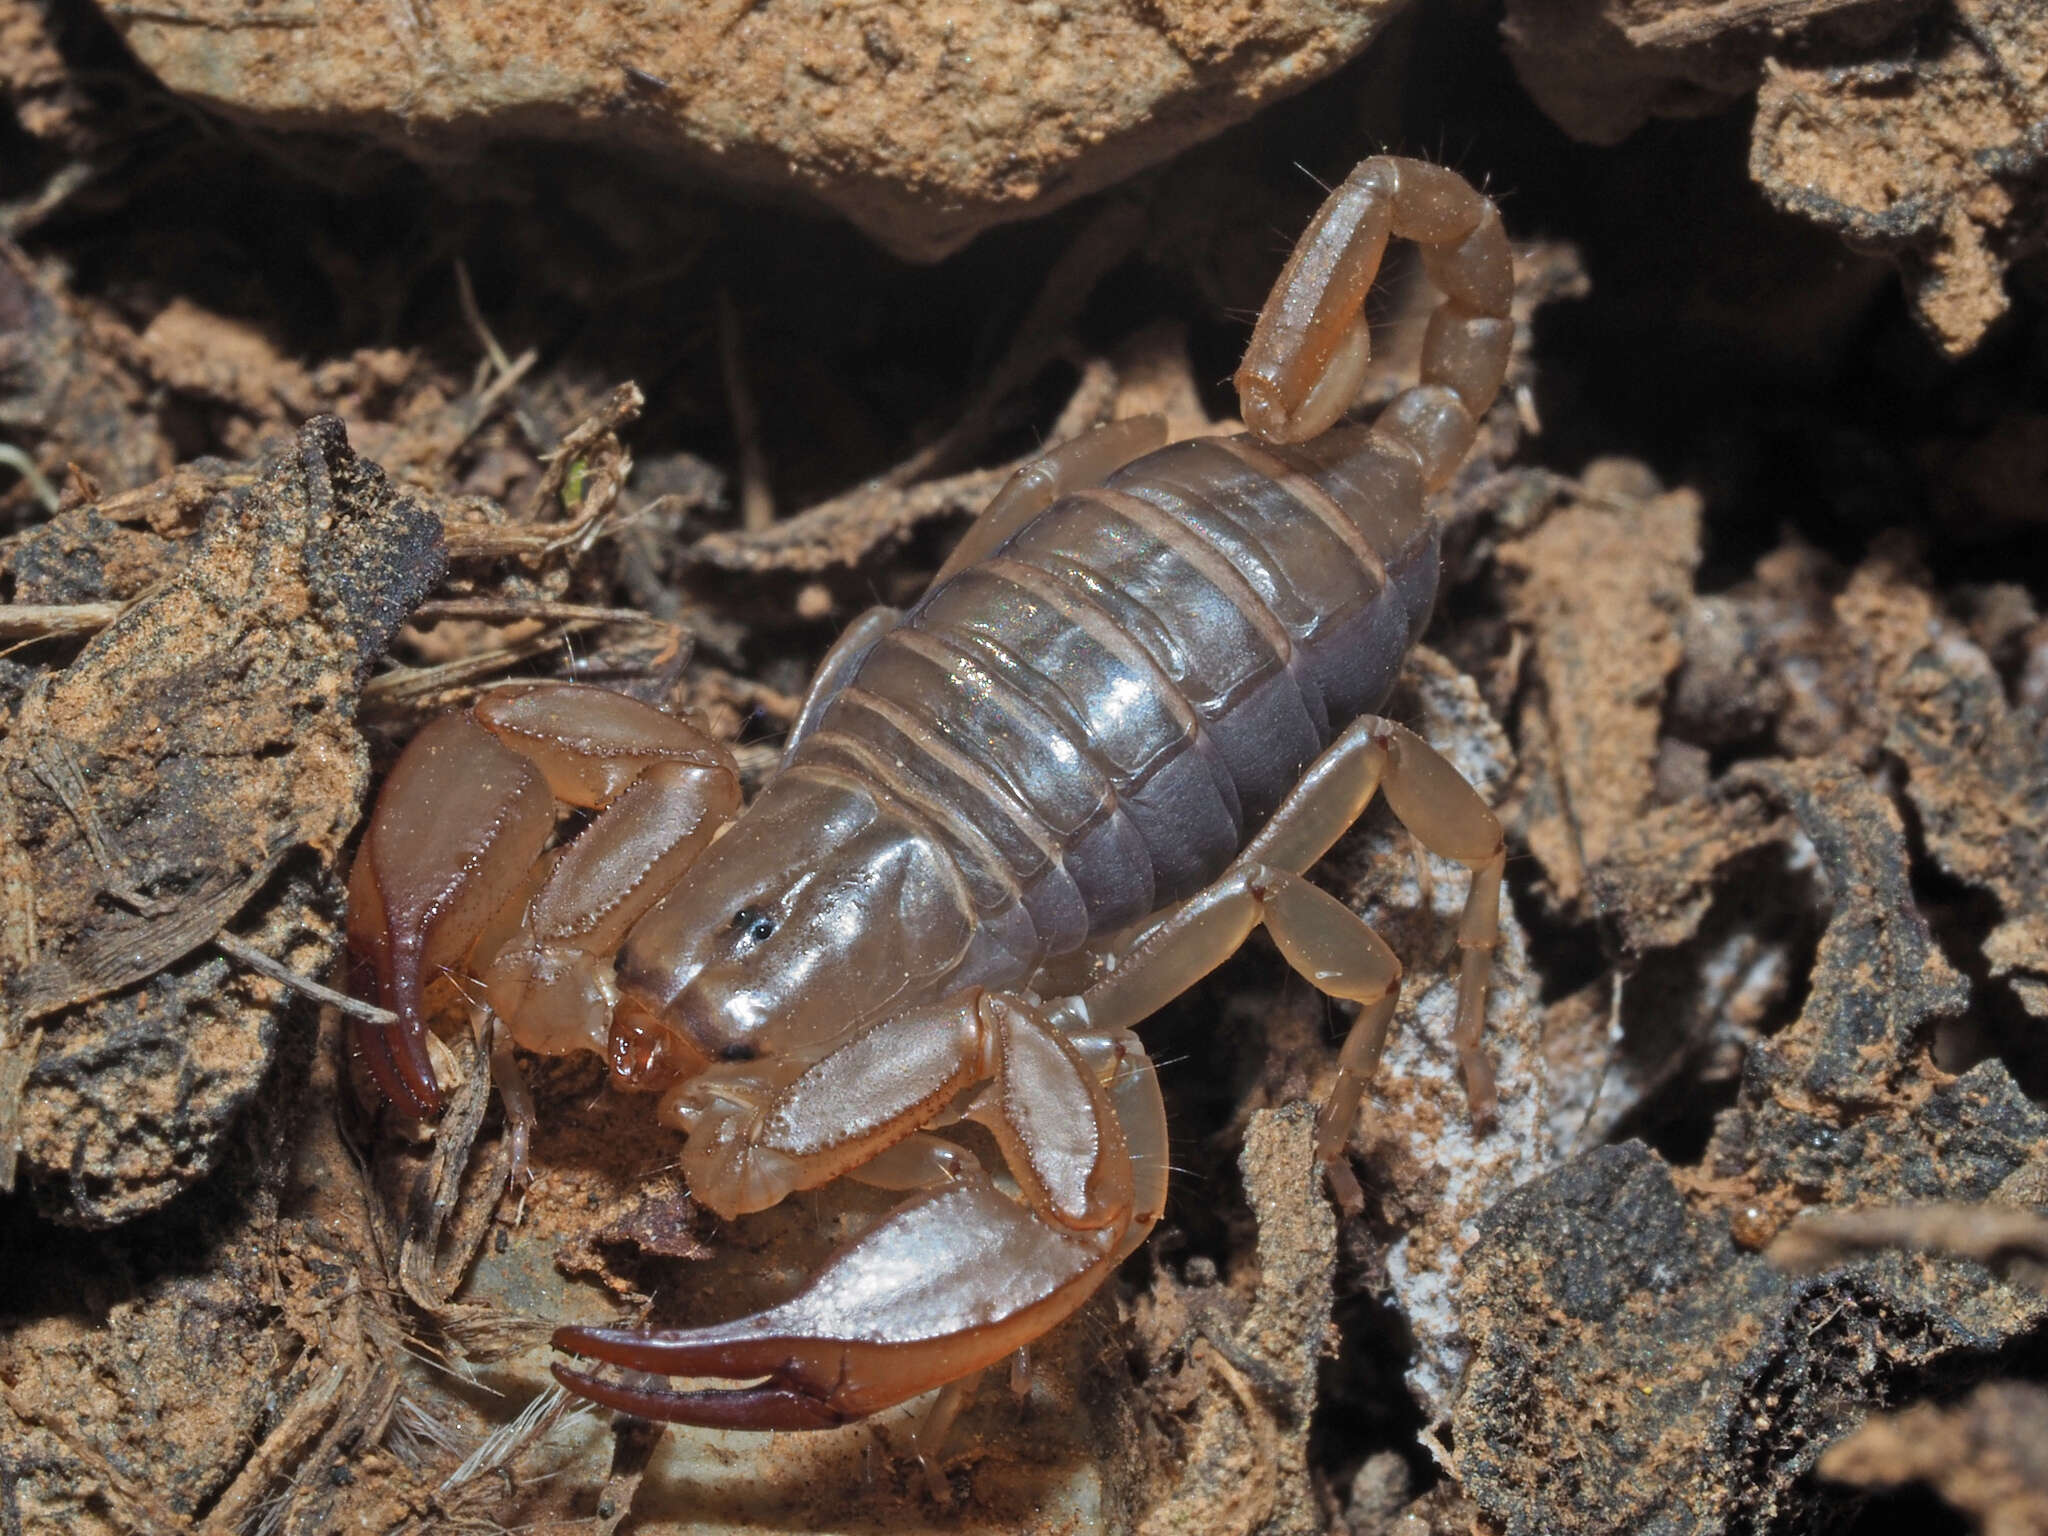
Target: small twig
1580	1138
512	374
18	217
1039	336
510	610
278	1454
620	408
2010	1239
757	499
487	400
848	527
501	371
54	621
483	541
51	621
402	685
465	295
17	1060
277	970
772	702
15	459
52	763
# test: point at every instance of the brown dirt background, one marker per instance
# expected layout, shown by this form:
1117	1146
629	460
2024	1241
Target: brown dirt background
1743	630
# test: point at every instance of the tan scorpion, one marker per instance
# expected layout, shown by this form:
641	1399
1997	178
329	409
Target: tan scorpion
1132	710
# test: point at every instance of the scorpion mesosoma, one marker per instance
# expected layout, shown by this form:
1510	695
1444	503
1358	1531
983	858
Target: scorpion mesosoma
1129	714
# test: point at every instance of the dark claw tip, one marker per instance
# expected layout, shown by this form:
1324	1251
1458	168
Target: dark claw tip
763	1407
400	1067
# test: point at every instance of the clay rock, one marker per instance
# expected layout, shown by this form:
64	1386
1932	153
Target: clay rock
1909	130
1603	68
1930	149
922	121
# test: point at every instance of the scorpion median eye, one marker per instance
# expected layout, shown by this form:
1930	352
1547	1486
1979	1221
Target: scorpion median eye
756	924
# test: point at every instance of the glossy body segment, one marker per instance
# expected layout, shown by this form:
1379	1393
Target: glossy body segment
1131	712
1099	715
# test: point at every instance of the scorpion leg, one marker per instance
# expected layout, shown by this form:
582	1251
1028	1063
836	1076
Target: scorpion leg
1321	937
444	883
930	1435
1445	813
1324	940
958	1278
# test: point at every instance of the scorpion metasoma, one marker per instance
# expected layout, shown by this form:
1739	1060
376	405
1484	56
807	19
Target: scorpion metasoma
1128	715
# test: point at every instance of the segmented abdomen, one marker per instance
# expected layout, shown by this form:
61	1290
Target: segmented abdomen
1097	718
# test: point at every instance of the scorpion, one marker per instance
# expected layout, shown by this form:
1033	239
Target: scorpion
1131	711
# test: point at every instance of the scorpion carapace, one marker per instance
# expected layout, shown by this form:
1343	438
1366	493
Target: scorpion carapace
1129	714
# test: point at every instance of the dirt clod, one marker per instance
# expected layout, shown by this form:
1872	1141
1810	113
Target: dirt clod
195	770
1906	128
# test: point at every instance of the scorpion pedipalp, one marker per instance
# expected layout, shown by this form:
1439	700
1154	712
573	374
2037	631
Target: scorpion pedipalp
436	895
953	1280
425	883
